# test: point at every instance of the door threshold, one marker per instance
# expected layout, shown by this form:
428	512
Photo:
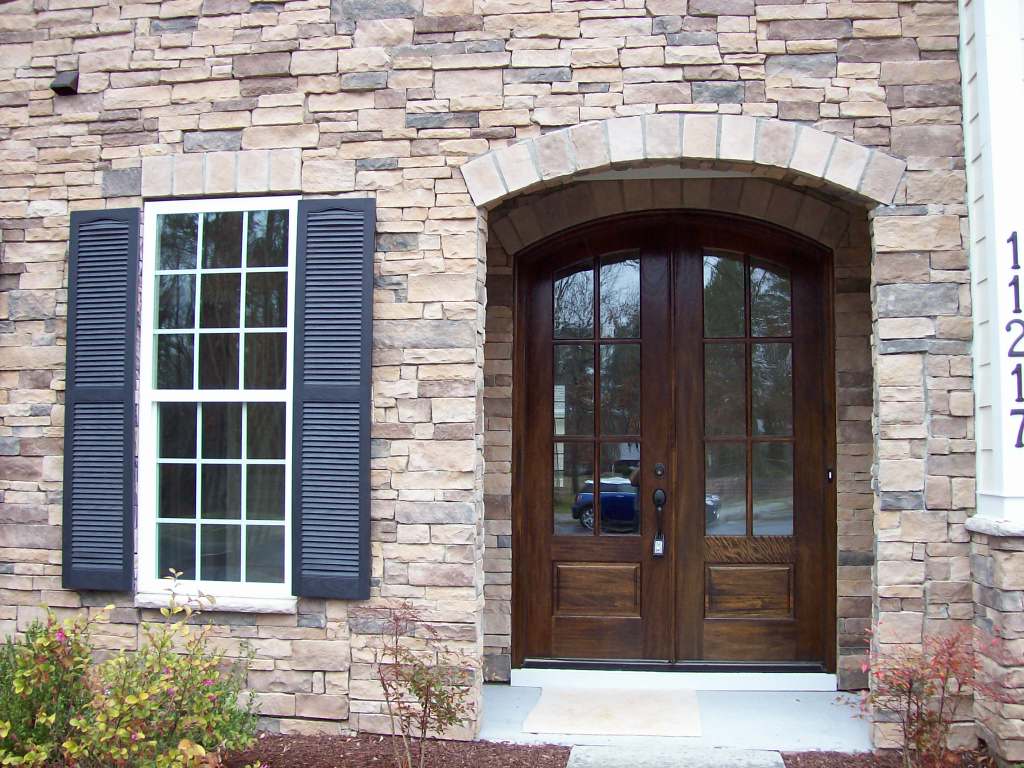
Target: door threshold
671	677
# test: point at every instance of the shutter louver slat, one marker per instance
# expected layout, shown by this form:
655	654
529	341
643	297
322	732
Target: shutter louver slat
100	403
332	398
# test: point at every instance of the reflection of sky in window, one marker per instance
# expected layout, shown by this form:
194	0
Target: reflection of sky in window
620	299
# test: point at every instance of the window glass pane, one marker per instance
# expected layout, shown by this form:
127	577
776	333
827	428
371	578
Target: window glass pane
724	312
619	502
177	491
769	300
772	382
574	304
219	297
222	430
222	491
265	360
177	430
573	492
574	389
264	553
725	384
266	300
620	389
218	361
725	489
620	297
177	301
268	239
265	431
220	556
222	240
773	489
174	357
264	492
176	548
176	245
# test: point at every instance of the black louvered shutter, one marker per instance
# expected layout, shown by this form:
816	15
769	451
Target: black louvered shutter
99	435
333	324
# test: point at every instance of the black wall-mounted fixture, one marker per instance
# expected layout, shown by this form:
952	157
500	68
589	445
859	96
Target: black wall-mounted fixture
65	83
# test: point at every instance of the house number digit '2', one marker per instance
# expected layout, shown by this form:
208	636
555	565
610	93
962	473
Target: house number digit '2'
1016	349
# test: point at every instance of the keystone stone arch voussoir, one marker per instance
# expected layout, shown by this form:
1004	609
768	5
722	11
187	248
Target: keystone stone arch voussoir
728	141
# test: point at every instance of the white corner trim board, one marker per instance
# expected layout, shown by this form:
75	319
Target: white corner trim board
663	681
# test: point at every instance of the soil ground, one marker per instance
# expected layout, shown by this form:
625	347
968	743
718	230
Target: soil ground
365	751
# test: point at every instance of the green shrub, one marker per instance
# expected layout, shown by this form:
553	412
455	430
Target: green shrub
43	684
174	703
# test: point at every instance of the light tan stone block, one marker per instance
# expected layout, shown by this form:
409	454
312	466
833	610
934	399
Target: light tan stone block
901	474
663	136
700	136
280	137
253	171
384	33
483	180
220	173
904	627
919	72
775	141
517	165
625	139
813	149
442	287
313	62
211	90
882	177
285	170
900	370
693	54
157	176
846	166
137	98
188	174
737	140
328	175
554	155
916	233
590	145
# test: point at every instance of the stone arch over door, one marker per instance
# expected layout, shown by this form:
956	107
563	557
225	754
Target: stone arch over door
784	150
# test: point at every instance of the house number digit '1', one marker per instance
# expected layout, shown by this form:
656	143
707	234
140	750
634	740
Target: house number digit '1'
1014	351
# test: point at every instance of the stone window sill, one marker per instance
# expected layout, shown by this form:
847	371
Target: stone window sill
223	603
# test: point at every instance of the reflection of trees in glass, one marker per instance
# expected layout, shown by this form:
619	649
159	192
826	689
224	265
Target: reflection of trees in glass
620	389
772	382
620	298
177	301
268	239
266	300
174	359
222	239
574	304
574	389
723	295
725	405
176	245
769	300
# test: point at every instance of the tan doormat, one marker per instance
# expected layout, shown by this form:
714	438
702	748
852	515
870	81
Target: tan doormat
615	712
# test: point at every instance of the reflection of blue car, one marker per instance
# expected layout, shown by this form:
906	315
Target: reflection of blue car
619	508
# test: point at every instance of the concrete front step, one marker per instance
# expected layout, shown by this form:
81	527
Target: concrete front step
660	756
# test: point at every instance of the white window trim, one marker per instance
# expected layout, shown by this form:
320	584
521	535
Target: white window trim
152	590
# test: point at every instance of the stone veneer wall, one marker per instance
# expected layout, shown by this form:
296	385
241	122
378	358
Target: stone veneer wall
388	98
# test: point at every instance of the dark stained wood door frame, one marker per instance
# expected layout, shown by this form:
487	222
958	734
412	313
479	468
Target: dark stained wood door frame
528	557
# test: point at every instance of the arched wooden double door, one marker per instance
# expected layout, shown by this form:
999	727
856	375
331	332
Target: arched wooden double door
673	466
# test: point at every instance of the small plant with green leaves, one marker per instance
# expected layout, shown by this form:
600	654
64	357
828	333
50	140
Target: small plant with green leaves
426	690
171	704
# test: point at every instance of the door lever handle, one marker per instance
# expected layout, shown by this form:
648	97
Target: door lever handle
659	498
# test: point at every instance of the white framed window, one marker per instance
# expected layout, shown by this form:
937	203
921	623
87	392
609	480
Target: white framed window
215	398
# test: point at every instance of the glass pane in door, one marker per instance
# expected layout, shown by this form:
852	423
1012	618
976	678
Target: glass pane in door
575	511
725	489
619	475
772	471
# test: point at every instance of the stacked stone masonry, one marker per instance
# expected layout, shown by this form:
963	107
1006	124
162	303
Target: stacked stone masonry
390	98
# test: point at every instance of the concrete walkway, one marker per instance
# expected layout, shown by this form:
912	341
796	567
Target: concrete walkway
739	729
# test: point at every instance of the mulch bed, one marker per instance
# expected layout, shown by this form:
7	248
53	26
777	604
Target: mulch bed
376	751
868	760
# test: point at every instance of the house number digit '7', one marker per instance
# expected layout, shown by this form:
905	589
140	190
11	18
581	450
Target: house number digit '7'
1015	349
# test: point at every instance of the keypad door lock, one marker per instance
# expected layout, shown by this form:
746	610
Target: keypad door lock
660	499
